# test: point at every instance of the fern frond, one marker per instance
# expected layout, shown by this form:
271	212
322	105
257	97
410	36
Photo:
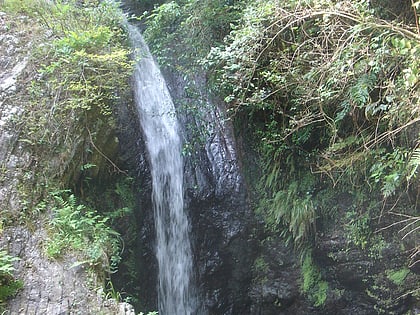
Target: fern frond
414	163
415	158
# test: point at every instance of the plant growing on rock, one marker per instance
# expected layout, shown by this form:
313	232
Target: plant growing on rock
81	70
313	286
78	68
76	227
8	285
397	276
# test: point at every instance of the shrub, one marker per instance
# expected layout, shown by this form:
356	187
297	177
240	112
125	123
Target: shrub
352	125
81	70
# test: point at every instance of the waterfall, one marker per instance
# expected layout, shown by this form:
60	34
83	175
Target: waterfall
160	128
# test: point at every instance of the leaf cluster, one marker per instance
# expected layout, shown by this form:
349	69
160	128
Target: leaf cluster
182	32
397	276
313	286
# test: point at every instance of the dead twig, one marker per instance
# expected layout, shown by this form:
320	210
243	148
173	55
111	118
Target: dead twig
103	155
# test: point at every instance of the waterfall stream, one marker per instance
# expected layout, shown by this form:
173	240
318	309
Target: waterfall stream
160	128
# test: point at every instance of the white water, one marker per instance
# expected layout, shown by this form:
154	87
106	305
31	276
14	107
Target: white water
160	128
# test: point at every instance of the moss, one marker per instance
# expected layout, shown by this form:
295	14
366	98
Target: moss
261	269
313	286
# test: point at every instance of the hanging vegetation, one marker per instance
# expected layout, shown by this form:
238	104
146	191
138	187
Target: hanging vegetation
332	92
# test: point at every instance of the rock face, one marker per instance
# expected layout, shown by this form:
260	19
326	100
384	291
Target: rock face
364	280
217	205
360	280
220	226
138	273
240	272
14	51
238	268
49	286
53	287
275	288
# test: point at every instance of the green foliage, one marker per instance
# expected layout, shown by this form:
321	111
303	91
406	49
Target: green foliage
183	31
352	121
6	264
78	228
120	200
116	198
8	285
313	286
260	265
414	163
397	276
66	16
291	207
358	228
79	65
389	170
112	293
80	71
261	269
84	68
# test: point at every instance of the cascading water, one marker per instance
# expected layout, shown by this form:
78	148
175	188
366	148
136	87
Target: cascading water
160	128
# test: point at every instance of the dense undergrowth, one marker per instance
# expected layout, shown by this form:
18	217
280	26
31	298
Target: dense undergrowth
332	92
326	95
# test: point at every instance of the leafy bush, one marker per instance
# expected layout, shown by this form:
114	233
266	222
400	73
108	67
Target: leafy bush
183	31
350	126
80	71
291	207
358	229
90	61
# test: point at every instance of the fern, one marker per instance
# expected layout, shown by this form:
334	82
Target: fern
80	228
414	163
8	285
296	213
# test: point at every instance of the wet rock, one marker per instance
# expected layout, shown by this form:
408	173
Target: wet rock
220	216
276	284
360	277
